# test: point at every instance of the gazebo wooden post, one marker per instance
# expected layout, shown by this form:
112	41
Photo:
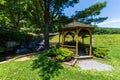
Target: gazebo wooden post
90	53
59	36
76	42
92	40
62	38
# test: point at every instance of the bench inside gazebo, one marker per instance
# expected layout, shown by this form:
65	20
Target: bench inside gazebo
78	31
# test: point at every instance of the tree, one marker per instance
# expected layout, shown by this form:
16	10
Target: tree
3	20
14	12
52	9
89	14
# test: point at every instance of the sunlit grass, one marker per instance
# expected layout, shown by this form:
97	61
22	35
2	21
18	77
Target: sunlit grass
18	71
69	38
113	39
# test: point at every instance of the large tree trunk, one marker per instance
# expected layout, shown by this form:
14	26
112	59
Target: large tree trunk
46	36
46	21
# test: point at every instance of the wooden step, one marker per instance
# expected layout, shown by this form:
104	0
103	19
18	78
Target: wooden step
69	46
71	63
83	57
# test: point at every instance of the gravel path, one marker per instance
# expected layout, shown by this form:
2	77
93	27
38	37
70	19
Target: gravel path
93	65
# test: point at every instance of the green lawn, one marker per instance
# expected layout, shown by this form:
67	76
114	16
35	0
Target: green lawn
23	70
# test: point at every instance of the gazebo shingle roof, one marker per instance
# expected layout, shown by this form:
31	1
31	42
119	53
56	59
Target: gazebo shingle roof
76	24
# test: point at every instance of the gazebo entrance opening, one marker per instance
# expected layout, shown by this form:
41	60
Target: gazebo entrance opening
78	38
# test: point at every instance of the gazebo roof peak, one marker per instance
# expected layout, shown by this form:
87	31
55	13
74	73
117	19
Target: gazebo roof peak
75	23
75	19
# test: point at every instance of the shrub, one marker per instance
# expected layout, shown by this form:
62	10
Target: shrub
100	52
47	68
52	52
61	54
64	54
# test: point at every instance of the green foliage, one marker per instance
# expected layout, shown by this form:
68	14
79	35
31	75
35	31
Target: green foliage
64	54
47	67
30	29
61	54
100	52
53	52
15	36
89	14
15	13
99	30
2	49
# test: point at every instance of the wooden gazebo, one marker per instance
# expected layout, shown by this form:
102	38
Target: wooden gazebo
77	30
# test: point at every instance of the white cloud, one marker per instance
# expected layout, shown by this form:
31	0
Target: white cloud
110	23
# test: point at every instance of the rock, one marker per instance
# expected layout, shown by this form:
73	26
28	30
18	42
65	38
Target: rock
31	46
11	44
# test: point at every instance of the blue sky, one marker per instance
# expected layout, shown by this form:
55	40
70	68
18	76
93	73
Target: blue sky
112	11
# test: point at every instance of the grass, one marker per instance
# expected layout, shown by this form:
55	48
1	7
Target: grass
23	70
18	71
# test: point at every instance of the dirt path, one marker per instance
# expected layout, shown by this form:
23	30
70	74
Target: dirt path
19	58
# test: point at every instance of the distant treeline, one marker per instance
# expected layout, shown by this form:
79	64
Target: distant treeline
99	30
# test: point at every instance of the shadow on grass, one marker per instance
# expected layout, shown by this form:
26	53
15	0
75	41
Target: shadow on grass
47	67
